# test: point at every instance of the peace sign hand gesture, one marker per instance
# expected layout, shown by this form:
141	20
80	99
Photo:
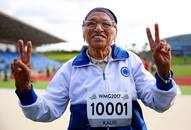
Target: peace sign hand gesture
21	67
161	52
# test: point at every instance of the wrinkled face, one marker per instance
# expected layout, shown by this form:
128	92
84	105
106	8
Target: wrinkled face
99	30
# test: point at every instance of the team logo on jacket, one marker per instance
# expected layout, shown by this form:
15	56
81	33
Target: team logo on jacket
125	71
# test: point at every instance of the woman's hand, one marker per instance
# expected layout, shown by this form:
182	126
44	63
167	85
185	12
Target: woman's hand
161	52
21	67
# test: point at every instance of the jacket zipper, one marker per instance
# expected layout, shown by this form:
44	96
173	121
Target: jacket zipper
103	75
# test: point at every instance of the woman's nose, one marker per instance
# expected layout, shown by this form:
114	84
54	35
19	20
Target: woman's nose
98	27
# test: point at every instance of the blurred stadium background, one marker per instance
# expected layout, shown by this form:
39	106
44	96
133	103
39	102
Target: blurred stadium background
11	30
45	64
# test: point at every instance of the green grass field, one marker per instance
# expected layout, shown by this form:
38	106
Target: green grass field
185	90
11	84
180	60
181	70
61	56
43	84
181	66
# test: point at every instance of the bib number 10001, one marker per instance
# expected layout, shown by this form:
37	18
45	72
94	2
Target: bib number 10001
109	108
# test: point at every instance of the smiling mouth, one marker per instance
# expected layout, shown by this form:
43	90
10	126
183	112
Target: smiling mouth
98	36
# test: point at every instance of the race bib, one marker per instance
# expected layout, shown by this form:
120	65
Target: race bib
109	109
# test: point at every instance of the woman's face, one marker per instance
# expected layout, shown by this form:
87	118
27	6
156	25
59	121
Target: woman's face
99	30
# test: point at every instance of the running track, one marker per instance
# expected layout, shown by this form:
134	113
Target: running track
183	80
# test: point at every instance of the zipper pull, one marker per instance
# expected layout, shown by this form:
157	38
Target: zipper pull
103	76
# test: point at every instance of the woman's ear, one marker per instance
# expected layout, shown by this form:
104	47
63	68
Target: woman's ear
83	32
115	33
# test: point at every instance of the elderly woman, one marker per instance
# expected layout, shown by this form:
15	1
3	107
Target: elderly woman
102	83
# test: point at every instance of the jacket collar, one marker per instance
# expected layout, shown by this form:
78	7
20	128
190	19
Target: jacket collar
82	58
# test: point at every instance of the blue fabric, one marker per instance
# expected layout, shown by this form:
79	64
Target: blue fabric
160	83
118	53
79	121
82	58
27	97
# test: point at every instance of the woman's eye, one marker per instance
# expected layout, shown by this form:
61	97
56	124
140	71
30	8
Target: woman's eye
106	24
90	24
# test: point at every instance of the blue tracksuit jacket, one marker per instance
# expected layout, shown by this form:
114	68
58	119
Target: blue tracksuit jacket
78	76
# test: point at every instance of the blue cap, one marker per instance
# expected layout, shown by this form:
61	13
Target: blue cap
104	10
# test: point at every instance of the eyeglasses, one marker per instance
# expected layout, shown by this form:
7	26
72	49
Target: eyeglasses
104	24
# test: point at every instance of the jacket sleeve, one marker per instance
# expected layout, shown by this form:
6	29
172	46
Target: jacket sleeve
50	105
151	90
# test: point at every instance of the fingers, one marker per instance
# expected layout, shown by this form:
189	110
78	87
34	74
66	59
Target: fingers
21	73
29	50
149	36
157	37
153	43
21	50
163	47
12	68
18	66
25	58
15	69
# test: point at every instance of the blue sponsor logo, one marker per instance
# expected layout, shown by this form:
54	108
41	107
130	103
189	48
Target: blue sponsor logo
125	71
